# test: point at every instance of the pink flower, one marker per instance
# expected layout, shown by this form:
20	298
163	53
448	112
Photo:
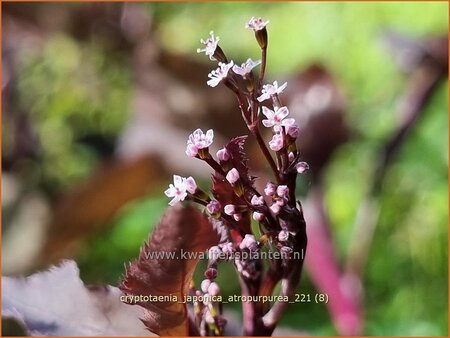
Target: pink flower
291	156
257	201
213	207
205	285
301	167
291	127
275	208
214	253
246	67
274	118
270	189
198	140
269	90
249	242
214	289
282	191
257	216
232	176
191	186
286	251
293	130
210	45
209	318
179	189
219	74
256	24
277	142
227	248
229	209
283	236
237	217
223	155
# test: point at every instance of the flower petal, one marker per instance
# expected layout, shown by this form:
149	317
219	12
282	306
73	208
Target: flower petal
268	112
268	123
177	181
282	112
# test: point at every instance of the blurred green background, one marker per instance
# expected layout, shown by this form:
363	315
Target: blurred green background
72	83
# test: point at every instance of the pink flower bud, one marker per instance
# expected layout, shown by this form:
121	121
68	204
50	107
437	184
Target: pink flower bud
270	189
301	167
223	155
257	216
227	248
214	253
211	273
277	142
237	217
205	285
209	317
282	191
229	209
275	208
214	289
232	176
213	207
249	242
293	130
191	186
283	236
291	156
285	250
257	201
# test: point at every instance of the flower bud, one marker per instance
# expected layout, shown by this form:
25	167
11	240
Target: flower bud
209	317
214	289
211	273
286	251
257	216
214	253
277	142
237	217
270	189
223	155
227	248
205	285
232	176
291	156
293	130
283	236
275	208
282	191
213	207
257	201
249	242
229	209
301	167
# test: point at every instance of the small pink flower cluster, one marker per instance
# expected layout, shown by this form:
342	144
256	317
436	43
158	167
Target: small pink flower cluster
234	201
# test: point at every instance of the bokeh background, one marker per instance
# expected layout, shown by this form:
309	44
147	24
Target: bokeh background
98	100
